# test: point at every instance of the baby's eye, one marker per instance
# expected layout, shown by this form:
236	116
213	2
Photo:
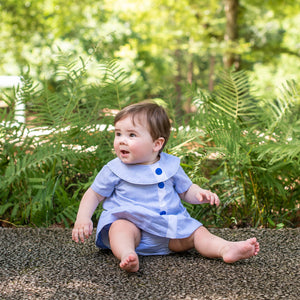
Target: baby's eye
117	134
132	135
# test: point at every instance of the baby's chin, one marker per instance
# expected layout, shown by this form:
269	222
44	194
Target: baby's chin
127	160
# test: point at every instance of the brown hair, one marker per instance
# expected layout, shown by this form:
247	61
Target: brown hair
156	116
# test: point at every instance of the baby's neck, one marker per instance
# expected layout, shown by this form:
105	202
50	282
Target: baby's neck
152	162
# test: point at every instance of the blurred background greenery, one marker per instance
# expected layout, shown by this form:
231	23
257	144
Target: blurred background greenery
227	71
162	43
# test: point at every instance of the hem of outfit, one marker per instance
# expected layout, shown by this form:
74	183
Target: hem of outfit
149	245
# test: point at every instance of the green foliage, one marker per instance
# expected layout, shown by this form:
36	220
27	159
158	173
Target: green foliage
252	154
161	42
245	150
45	166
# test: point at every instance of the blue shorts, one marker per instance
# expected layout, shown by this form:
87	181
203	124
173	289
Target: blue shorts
149	245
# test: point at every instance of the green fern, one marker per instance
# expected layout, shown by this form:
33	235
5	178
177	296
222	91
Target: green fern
284	112
115	85
233	99
278	152
282	138
42	177
256	165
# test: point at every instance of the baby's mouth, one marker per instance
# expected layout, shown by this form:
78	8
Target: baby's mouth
124	152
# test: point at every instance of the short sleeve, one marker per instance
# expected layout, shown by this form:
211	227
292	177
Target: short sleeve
105	182
181	181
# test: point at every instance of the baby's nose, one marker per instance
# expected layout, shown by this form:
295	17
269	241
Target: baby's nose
122	140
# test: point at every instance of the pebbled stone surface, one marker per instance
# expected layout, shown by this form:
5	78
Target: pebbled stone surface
46	264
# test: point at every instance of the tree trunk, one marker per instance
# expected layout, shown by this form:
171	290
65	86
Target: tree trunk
188	103
178	79
231	32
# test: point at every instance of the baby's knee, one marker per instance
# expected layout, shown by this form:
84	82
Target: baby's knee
180	245
119	222
124	226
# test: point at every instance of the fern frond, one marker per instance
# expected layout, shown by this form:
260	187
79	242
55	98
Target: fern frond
62	107
115	84
28	90
280	152
5	207
226	136
283	125
285	110
67	215
232	97
69	69
43	157
6	114
74	101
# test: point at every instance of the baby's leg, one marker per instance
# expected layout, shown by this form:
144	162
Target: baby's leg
124	237
210	245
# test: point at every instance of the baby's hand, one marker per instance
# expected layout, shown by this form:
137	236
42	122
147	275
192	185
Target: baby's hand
82	229
205	196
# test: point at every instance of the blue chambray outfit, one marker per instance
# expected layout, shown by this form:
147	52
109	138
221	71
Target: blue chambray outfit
146	195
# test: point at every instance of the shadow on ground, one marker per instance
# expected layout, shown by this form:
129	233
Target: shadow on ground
46	264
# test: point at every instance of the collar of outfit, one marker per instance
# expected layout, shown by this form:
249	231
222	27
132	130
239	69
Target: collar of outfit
162	170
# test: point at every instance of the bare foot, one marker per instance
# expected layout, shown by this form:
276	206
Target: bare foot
130	262
235	251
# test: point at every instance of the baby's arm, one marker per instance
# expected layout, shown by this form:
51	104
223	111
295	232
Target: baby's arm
196	195
83	226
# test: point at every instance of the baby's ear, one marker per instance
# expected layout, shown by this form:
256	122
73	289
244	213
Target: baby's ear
157	144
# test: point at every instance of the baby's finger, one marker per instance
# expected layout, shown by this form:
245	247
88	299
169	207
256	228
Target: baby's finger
86	232
208	196
199	197
212	199
215	200
81	234
75	235
91	228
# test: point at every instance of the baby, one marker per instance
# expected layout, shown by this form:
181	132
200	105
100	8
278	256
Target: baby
141	191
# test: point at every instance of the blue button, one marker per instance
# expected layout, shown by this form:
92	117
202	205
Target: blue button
161	185
162	213
158	171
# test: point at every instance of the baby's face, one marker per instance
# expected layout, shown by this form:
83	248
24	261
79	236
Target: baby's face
133	143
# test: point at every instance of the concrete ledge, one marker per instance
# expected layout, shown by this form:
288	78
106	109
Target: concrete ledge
46	264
